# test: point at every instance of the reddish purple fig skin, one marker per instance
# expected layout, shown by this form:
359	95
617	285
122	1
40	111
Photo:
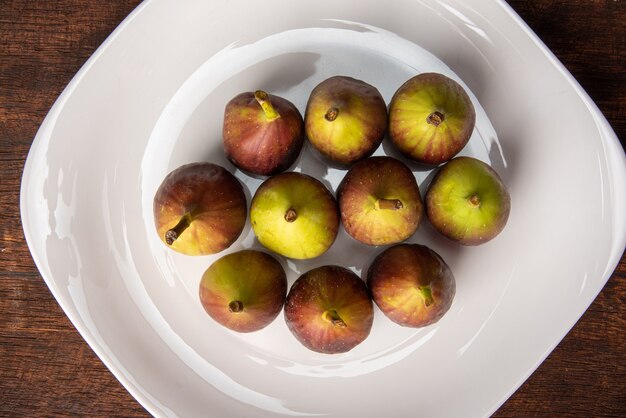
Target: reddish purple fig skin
258	145
329	288
397	273
216	201
375	178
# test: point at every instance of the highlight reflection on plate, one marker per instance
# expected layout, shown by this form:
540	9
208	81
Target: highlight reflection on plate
152	98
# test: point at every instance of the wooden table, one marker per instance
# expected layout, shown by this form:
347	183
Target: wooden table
47	369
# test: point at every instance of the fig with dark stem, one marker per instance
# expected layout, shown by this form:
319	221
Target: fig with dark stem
345	119
467	201
431	118
294	215
199	209
244	291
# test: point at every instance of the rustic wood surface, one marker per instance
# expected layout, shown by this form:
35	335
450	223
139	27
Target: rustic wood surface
45	366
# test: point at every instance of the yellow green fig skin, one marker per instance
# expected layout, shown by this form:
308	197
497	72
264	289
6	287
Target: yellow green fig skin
262	134
244	291
411	284
294	215
467	201
345	119
329	310
431	118
207	204
379	201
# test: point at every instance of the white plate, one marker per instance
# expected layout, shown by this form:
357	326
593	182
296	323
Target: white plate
151	98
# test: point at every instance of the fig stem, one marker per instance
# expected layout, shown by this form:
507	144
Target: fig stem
235	306
393	204
331	114
474	200
427	295
264	101
333	317
291	215
435	118
172	234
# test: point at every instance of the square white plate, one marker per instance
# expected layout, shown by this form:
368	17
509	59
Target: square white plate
151	98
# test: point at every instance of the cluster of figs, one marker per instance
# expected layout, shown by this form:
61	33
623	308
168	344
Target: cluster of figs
201	208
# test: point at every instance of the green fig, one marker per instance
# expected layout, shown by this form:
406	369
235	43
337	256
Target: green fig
294	215
431	118
244	291
345	119
467	201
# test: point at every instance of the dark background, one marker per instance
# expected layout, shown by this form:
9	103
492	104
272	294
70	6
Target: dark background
45	366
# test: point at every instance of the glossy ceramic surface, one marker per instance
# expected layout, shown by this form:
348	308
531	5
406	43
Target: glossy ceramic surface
151	99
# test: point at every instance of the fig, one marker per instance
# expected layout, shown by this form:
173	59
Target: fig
379	201
328	309
411	284
263	134
431	118
199	209
467	201
294	215
244	291
345	119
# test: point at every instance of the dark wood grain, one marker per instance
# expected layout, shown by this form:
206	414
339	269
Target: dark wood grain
47	369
